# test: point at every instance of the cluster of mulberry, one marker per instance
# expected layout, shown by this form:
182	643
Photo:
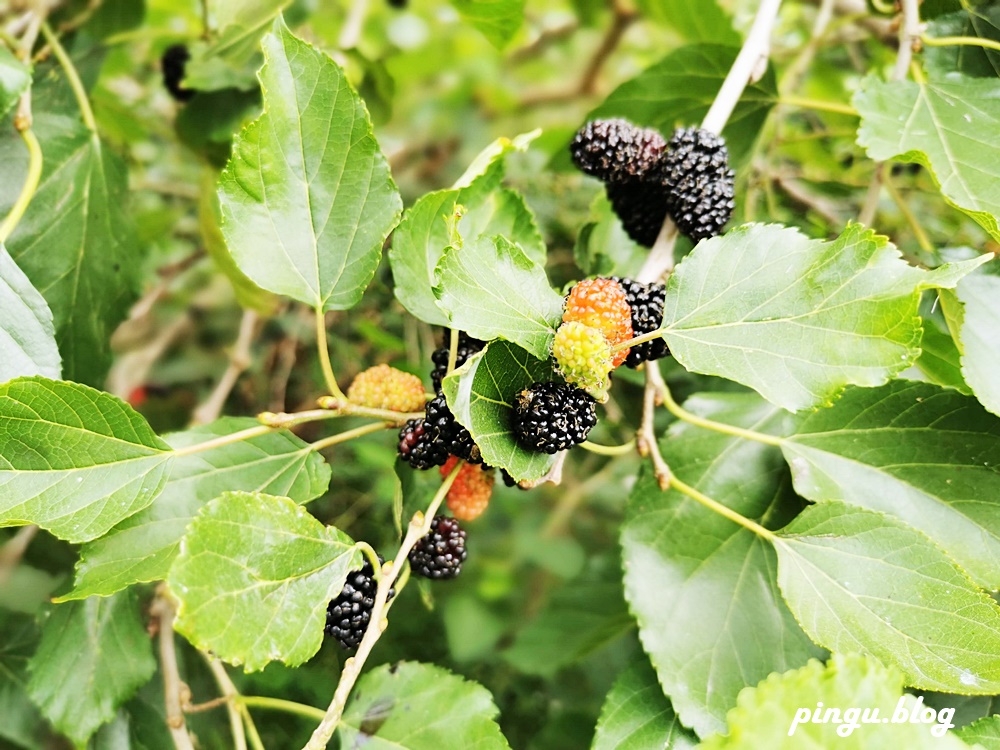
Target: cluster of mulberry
646	178
348	615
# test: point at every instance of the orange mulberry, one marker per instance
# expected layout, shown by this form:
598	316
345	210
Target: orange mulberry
601	304
470	493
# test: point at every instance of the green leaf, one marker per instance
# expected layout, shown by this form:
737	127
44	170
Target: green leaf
27	338
587	613
74	460
703	589
254	575
223	63
76	242
248	294
939	124
985	732
480	393
940	361
974	304
767	713
93	656
20	722
491	289
982	22
925	454
680	88
636	715
307	198
497	20
798	319
426	229
857	580
15	79
705	21
390	706
142	547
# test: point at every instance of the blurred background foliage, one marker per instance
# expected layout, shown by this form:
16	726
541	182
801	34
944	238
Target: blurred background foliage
538	615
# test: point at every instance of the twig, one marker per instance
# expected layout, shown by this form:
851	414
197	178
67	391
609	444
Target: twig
918	231
239	361
791	80
796	191
13	550
230	693
756	48
646	437
163	609
351	31
909	35
587	85
30	182
948	41
545	39
419	526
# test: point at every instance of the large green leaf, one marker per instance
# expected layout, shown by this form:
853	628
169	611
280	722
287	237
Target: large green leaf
74	460
410	706
497	20
427	228
93	656
142	547
925	454
307	198
680	88
982	21
480	394
703	589
862	581
254	575
636	715
766	715
975	306
704	21
27	338
491	289
15	78
940	124
798	319
75	242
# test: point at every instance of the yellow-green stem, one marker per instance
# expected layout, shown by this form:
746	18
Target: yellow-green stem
609	450
681	413
83	101
452	351
29	187
347	409
278	704
323	347
918	231
651	336
950	41
236	437
721	509
343	437
803	103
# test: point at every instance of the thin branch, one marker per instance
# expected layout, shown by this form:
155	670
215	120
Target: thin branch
13	550
239	361
545	39
343	437
803	103
230	693
609	450
173	688
797	70
795	190
722	510
350	33
756	48
419	526
646	438
918	231
909	35
587	85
